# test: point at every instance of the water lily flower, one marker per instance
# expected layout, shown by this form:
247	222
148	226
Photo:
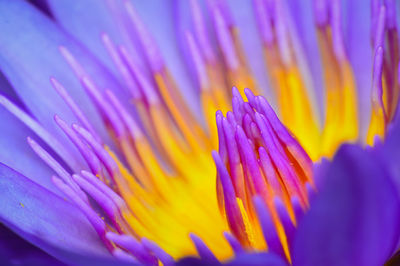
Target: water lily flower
189	132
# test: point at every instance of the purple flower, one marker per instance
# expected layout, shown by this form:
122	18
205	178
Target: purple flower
123	104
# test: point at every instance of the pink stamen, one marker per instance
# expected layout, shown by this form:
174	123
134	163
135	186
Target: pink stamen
264	21
251	165
377	90
262	106
90	157
147	88
222	7
120	64
285	219
74	107
102	200
73	63
391	14
282	33
106	190
268	227
231	206
222	149
202	249
337	35
269	171
247	126
231	119
133	246
105	108
234	243
233	156
225	41
238	109
56	166
127	119
201	32
199	64
124	256
148	44
297	208
321	14
97	223
102	154
153	248
379	35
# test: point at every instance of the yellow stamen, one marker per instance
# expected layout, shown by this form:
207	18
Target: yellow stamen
341	120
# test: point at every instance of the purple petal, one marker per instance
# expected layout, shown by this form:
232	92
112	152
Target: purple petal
255	259
16	153
14	150
354	217
46	220
29	56
192	261
204	252
16	251
248	259
390	151
320	169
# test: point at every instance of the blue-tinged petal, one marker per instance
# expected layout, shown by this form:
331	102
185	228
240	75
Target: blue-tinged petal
86	20
357	40
354	218
14	250
29	56
45	219
15	152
